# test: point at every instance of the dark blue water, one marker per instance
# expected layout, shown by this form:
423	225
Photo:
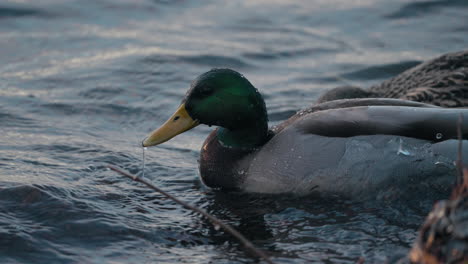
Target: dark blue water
82	82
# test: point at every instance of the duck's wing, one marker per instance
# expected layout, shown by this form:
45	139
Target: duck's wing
434	124
441	81
347	103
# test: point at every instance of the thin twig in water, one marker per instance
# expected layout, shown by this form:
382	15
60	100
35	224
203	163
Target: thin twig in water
459	161
215	221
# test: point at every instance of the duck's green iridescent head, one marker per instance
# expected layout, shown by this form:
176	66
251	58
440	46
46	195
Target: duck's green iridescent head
223	97
219	97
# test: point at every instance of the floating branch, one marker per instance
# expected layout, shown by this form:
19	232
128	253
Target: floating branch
215	221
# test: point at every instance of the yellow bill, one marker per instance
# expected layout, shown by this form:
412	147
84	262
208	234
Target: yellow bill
178	123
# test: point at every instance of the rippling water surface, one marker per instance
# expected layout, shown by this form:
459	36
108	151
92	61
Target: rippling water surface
82	82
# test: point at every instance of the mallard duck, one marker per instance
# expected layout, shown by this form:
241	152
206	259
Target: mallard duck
343	147
442	81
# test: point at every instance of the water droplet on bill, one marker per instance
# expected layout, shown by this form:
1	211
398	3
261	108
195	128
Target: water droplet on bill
143	169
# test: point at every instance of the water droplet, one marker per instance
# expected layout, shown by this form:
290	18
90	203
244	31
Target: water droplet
447	165
217	227
439	135
143	169
402	151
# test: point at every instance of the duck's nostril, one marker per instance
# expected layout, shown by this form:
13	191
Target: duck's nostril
176	118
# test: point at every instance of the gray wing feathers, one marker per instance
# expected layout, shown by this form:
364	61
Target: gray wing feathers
434	124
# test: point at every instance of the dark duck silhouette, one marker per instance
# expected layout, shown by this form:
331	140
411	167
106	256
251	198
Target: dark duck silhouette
442	81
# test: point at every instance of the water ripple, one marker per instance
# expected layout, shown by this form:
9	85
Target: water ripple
80	91
425	8
216	61
10	11
12	120
380	71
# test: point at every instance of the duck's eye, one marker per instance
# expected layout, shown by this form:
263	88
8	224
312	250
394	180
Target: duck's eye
206	91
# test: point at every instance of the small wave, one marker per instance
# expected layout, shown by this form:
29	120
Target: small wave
90	108
216	61
12	120
205	60
380	71
424	8
10	11
289	53
62	108
28	194
325	79
101	93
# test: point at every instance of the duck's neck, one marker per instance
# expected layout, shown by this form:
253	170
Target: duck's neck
246	138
